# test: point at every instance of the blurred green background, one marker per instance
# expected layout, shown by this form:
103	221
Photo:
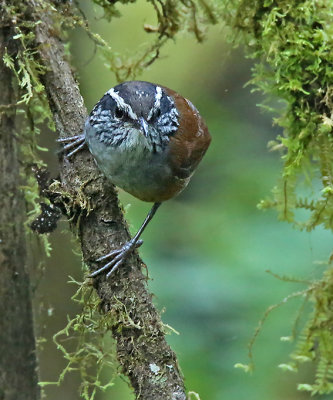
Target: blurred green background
207	250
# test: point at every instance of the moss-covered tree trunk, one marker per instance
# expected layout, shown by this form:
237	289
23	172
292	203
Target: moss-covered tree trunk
90	202
18	365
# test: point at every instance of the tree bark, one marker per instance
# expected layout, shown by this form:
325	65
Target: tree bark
142	351
18	365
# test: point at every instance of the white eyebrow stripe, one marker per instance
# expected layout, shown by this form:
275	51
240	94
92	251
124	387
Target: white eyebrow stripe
158	97
157	103
121	103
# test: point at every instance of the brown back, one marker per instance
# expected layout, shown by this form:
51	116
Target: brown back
189	144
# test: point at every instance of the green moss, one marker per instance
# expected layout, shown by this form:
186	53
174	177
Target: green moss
292	42
86	344
32	110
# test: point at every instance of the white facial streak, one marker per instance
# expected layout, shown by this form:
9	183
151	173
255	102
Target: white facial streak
157	103
121	103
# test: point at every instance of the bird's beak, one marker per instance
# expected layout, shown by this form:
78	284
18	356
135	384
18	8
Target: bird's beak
144	126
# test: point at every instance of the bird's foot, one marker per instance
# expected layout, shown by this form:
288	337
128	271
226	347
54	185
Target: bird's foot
72	142
118	257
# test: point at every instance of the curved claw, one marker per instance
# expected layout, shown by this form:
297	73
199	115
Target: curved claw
77	141
118	257
111	254
69	138
117	264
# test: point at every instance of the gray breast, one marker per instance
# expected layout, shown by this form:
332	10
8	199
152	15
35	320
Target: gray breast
130	165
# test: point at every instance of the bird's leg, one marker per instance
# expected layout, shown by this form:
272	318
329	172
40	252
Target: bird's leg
77	142
120	255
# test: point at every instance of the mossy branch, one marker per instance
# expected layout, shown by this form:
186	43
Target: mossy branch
92	203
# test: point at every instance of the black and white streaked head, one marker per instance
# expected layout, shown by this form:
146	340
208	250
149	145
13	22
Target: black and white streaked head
134	113
146	139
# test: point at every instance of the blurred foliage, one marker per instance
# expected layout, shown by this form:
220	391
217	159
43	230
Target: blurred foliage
172	17
291	42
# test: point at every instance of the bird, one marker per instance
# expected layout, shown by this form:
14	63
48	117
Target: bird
146	139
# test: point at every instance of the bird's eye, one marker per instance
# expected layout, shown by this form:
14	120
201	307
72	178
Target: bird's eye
157	113
119	113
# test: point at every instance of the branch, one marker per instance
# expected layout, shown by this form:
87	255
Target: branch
136	327
18	365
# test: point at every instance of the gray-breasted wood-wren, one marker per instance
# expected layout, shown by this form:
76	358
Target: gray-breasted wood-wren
148	140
